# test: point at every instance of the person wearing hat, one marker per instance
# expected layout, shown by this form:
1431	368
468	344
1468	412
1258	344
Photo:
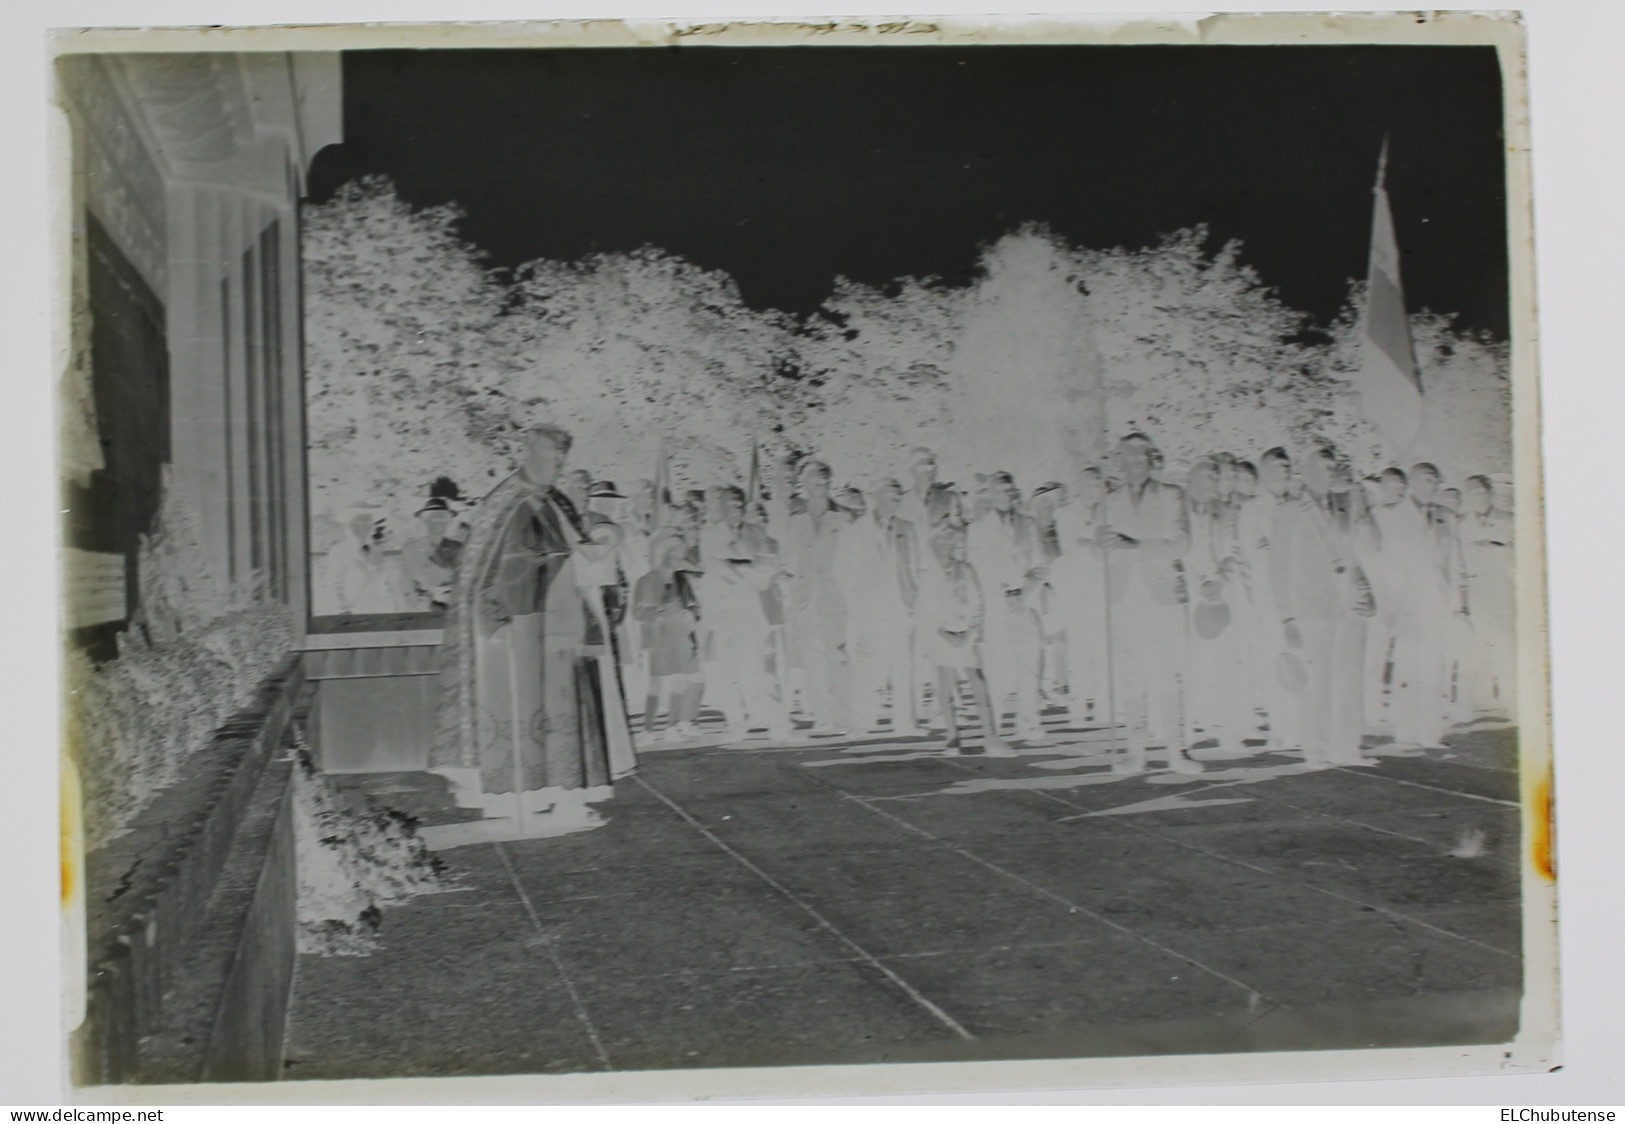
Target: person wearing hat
667	609
429	561
604	589
521	729
598	573
368	578
605	499
637	526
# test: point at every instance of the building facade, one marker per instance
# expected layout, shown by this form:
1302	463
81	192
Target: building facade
187	174
182	391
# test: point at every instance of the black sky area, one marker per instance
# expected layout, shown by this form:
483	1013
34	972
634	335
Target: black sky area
789	166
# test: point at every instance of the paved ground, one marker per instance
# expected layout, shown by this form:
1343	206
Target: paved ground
862	903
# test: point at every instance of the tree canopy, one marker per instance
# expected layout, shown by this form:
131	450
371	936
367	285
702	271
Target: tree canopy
423	361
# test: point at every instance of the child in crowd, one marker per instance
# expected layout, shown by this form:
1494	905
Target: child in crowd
665	606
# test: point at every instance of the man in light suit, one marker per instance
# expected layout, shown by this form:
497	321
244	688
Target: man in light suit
911	508
817	607
1316	552
1259	492
877	561
1144	530
1486	534
1431	564
1004	547
1390	582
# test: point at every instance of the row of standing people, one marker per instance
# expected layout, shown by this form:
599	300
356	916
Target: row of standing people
1255	604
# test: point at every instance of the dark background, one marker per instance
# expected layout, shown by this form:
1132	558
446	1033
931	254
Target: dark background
789	166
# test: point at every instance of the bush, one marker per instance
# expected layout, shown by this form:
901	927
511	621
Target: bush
352	861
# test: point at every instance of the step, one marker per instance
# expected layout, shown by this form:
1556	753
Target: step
424	796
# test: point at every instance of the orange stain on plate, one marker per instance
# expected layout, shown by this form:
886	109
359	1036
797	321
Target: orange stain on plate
1541	846
70	831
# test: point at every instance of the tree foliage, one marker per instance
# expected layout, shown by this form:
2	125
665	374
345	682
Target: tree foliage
424	362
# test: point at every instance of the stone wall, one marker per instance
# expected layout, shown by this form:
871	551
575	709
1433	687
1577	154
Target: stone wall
192	915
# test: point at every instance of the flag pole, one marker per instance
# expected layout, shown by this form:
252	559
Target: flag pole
1098	378
1390	386
1380	188
1118	750
662	485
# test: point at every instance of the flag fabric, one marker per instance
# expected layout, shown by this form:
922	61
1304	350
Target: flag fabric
753	480
1389	384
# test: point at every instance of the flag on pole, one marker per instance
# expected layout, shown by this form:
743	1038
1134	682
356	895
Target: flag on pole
753	480
1389	385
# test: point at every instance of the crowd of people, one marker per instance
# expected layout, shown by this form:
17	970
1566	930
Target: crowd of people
1276	603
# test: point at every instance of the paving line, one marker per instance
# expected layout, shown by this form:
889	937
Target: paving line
1432	788
864	954
958	763
1269	797
1429	843
558	965
751	969
1072	906
1128	822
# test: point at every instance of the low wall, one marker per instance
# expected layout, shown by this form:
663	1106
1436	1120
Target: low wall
191	914
376	696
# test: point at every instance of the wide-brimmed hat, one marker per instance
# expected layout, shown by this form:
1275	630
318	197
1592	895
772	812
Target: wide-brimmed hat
436	503
604	490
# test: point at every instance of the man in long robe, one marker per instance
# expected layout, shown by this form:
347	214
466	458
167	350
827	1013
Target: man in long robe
522	717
